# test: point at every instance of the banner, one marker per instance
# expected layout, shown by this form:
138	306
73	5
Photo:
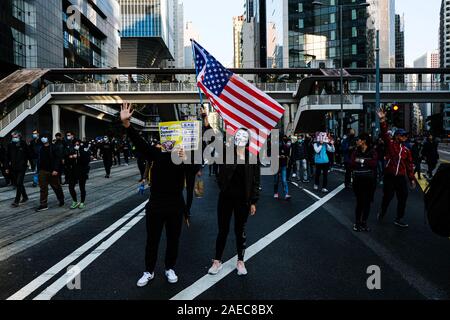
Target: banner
184	134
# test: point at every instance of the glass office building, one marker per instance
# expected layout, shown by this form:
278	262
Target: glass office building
300	32
59	33
148	35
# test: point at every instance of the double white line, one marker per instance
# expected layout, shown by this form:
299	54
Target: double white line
50	291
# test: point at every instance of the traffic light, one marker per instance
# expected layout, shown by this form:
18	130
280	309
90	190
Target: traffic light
395	108
396	116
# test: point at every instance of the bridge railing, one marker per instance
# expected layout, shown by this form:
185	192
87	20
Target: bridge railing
322	100
394	87
154	87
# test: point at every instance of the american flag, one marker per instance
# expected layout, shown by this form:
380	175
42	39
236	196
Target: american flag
240	104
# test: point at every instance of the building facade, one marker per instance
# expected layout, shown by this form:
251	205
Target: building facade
238	23
399	45
444	55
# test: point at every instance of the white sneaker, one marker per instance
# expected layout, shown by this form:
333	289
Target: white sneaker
171	276
241	270
325	190
216	267
316	187
142	282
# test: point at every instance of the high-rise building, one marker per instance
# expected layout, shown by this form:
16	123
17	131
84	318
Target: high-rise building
302	32
57	34
444	55
400	45
148	34
238	23
255	33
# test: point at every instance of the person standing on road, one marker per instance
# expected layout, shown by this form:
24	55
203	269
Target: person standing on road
431	154
50	168
166	205
321	148
3	163
126	148
300	155
35	146
18	155
399	169
364	167
285	153
77	162
416	151
107	153
60	147
239	193
347	148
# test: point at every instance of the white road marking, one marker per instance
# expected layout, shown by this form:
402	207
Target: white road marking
307	191
208	281
50	273
445	152
56	286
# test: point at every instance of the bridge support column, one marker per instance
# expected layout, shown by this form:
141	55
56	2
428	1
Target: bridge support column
286	118
56	117
82	126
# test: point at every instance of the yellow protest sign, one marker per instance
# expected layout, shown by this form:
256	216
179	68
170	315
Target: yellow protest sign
180	133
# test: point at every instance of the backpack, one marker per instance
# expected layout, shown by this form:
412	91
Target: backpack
437	201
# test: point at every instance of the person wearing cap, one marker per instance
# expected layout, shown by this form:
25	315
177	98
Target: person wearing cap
17	157
77	167
364	162
50	168
399	170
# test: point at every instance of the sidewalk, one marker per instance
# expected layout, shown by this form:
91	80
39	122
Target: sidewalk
22	227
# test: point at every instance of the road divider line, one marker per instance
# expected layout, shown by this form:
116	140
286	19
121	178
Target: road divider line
208	281
69	276
50	273
307	191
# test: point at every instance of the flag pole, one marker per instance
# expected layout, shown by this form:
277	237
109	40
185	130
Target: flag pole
196	72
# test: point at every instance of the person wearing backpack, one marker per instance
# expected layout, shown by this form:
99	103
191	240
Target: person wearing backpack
364	167
399	170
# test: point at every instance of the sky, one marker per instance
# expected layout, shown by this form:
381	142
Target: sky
213	20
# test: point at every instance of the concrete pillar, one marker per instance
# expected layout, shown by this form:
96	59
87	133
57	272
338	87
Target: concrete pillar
56	118
82	126
286	118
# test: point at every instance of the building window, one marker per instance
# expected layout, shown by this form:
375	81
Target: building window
300	7
354	32
354	49
301	24
354	14
333	35
332	52
332	18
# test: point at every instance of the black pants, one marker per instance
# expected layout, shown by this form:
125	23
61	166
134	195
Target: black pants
348	174
107	162
225	209
19	177
159	213
322	168
364	188
395	186
117	156
431	166
418	167
126	156
141	165
82	183
190	184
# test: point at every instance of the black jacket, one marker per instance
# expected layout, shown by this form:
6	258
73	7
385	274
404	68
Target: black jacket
252	180
18	155
55	159
167	178
299	151
430	151
79	167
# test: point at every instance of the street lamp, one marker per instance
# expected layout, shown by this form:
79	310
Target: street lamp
341	7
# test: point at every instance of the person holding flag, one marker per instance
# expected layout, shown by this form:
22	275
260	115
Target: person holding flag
249	116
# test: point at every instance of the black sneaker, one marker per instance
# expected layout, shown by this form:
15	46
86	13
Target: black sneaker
42	208
380	216
61	204
356	228
365	228
15	205
401	224
24	200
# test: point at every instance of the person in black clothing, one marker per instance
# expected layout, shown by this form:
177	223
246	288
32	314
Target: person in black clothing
107	152
3	163
239	193
35	146
50	168
364	166
347	147
380	148
77	165
416	151
299	156
18	155
126	148
141	162
166	206
60	148
430	154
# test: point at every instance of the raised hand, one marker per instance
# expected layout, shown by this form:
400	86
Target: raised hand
381	114
126	113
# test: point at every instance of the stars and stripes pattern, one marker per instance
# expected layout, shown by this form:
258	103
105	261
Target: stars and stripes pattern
239	103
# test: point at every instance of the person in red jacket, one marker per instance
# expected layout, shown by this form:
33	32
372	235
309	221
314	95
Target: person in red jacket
399	169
